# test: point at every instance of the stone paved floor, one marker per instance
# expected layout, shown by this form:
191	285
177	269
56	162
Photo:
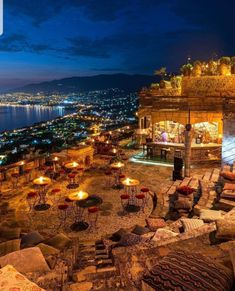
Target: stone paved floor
111	216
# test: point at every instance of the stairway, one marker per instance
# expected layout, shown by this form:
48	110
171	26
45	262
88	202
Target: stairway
96	266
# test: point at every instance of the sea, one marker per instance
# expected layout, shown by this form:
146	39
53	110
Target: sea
17	116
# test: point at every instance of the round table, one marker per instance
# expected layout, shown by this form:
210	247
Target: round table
130	186
72	166
117	166
42	182
79	224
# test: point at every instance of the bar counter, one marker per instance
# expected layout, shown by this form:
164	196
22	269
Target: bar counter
199	152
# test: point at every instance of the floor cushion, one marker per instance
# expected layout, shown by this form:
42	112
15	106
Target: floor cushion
140	230
163	233
130	239
228	175
12	280
190	223
184	271
59	241
154	223
225	229
47	250
8	233
228	194
31	239
116	236
210	215
228	186
9	247
26	260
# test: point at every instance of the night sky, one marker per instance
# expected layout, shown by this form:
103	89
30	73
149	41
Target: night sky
48	39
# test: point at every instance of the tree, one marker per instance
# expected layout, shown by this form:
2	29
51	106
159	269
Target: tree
161	72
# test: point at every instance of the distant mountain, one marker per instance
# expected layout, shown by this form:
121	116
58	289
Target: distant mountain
126	82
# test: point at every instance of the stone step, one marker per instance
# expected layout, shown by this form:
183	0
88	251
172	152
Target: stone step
100	252
102	257
100	247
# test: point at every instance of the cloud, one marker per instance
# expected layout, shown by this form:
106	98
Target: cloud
20	43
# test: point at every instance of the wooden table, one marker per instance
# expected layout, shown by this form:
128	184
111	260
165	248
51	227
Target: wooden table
79	224
42	182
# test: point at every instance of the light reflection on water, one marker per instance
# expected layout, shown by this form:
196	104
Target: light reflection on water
12	117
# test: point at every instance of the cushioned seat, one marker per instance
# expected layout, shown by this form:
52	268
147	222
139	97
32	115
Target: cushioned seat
144	190
125	196
183	271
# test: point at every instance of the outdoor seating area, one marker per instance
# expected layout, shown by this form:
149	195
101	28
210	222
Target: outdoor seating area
144	208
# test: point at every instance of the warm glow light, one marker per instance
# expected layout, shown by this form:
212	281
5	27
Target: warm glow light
114	151
128	180
75	164
56	159
22	163
41	179
220	135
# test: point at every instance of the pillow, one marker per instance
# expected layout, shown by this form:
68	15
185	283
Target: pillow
154	223
228	186
189	271
232	254
130	239
190	223
163	233
9	246
140	230
11	279
116	236
26	260
225	229
183	204
228	194
185	190
47	250
31	239
175	226
228	175
59	241
210	215
8	233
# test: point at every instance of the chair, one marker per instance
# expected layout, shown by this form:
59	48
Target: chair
15	177
109	178
146	192
124	200
32	198
93	213
28	175
62	214
141	201
55	195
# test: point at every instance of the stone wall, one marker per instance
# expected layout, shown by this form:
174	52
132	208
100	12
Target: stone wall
208	86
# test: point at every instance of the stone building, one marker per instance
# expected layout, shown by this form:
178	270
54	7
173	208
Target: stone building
206	102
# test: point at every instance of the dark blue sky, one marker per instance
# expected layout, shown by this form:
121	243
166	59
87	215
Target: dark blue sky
48	39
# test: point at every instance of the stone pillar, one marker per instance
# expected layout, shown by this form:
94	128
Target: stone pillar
228	144
187	154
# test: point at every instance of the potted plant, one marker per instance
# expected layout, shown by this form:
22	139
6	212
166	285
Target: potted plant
232	65
197	69
212	68
224	66
186	70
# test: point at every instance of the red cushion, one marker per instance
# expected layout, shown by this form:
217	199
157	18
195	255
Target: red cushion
71	176
185	190
67	199
27	171
55	190
80	169
122	176
228	175
93	209
108	173
124	159
62	172
15	175
144	189
31	195
125	196
63	206
140	196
